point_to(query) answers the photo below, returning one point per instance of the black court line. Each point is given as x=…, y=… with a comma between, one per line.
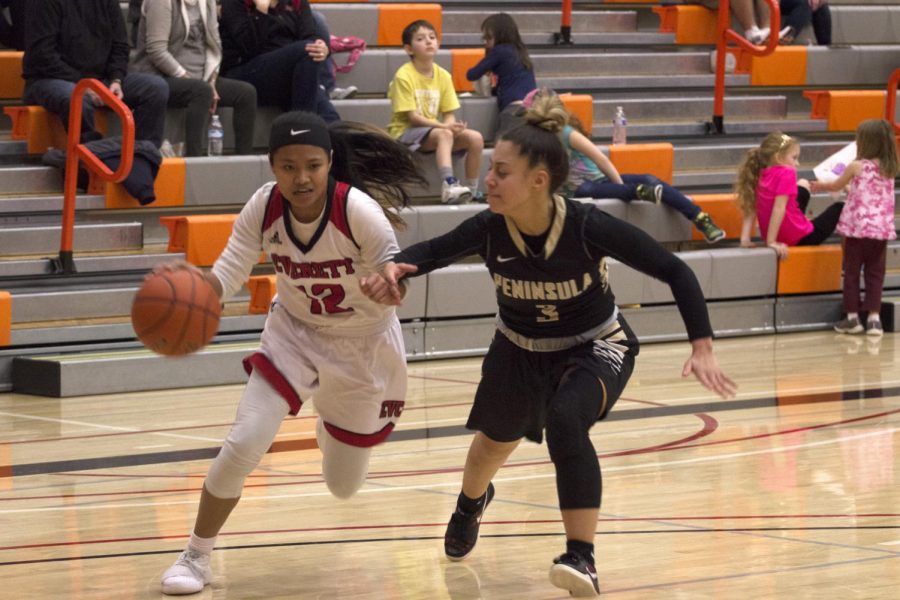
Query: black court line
x=131, y=460
x=421, y=538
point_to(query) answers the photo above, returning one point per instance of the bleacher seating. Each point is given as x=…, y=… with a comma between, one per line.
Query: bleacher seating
x=653, y=60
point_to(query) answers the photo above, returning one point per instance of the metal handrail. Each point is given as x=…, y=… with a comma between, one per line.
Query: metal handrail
x=725, y=34
x=890, y=105
x=76, y=151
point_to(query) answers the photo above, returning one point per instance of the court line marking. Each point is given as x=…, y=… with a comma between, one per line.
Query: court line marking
x=116, y=428
x=453, y=484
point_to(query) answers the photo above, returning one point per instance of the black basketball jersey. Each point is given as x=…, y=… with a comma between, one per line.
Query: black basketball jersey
x=562, y=290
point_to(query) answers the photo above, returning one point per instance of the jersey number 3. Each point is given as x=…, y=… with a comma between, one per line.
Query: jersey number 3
x=548, y=313
x=325, y=296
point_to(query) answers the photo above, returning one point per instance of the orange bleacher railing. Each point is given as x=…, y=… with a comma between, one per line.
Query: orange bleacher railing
x=724, y=35
x=890, y=106
x=564, y=36
x=76, y=151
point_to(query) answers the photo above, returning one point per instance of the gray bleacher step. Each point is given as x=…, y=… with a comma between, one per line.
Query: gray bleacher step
x=663, y=129
x=36, y=239
x=10, y=147
x=637, y=39
x=459, y=20
x=625, y=64
x=684, y=107
x=99, y=333
x=94, y=300
x=728, y=153
x=85, y=373
x=865, y=24
x=30, y=180
x=35, y=267
x=635, y=82
x=48, y=203
x=890, y=313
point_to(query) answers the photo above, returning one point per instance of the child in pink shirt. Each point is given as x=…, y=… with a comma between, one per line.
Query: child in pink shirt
x=767, y=188
x=867, y=222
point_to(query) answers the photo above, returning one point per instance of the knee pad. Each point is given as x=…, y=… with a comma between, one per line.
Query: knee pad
x=571, y=414
x=258, y=418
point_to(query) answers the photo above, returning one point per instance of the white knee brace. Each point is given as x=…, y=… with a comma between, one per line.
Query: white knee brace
x=259, y=415
x=344, y=467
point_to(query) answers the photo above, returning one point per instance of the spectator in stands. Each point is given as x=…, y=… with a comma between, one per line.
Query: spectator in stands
x=767, y=189
x=12, y=24
x=562, y=352
x=592, y=174
x=506, y=58
x=179, y=40
x=749, y=13
x=66, y=41
x=326, y=67
x=797, y=14
x=273, y=45
x=424, y=102
x=867, y=222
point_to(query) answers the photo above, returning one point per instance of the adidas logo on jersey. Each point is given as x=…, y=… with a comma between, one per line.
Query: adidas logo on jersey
x=275, y=239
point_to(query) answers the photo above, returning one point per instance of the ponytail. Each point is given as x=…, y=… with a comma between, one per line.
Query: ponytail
x=539, y=138
x=369, y=159
x=747, y=179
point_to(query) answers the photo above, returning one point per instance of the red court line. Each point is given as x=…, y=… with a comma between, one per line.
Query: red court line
x=709, y=426
x=517, y=522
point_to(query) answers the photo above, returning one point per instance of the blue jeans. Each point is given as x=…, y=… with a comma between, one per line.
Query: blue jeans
x=326, y=67
x=287, y=78
x=627, y=191
x=146, y=95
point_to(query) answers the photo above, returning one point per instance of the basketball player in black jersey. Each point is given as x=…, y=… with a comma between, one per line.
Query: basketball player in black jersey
x=562, y=353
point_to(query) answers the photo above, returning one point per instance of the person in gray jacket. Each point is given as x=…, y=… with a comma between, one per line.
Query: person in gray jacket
x=179, y=40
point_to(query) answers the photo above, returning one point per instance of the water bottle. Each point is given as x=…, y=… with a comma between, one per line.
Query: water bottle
x=216, y=137
x=620, y=125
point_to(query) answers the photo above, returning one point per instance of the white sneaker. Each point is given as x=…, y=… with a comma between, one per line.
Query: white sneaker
x=730, y=62
x=189, y=575
x=455, y=193
x=343, y=93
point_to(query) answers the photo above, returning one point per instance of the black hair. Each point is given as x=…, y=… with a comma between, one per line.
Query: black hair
x=503, y=30
x=539, y=140
x=410, y=30
x=368, y=158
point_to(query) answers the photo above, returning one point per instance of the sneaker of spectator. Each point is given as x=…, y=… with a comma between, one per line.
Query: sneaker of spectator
x=340, y=93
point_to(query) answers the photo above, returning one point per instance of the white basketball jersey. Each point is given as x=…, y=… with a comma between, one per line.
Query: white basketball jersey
x=317, y=282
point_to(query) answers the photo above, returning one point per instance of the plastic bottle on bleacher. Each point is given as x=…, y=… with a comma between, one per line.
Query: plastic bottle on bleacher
x=620, y=126
x=216, y=137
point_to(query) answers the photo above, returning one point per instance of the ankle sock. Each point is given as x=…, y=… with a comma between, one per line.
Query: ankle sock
x=851, y=316
x=582, y=549
x=472, y=184
x=202, y=545
x=446, y=173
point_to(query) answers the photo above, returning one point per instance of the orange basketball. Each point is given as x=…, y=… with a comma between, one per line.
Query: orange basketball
x=175, y=312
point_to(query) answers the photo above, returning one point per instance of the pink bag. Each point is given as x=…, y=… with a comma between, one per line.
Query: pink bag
x=348, y=43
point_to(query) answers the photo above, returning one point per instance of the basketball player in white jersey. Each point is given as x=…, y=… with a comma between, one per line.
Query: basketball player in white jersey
x=323, y=232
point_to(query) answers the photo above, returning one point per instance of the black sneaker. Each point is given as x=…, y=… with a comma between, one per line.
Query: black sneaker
x=573, y=573
x=462, y=530
x=711, y=232
x=650, y=193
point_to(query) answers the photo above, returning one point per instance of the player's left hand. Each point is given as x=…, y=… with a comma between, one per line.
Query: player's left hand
x=702, y=364
x=377, y=289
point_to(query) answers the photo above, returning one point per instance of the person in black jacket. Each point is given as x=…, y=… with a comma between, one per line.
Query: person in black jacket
x=69, y=40
x=12, y=29
x=273, y=45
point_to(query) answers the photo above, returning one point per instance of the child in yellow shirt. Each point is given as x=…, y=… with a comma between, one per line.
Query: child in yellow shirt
x=423, y=101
